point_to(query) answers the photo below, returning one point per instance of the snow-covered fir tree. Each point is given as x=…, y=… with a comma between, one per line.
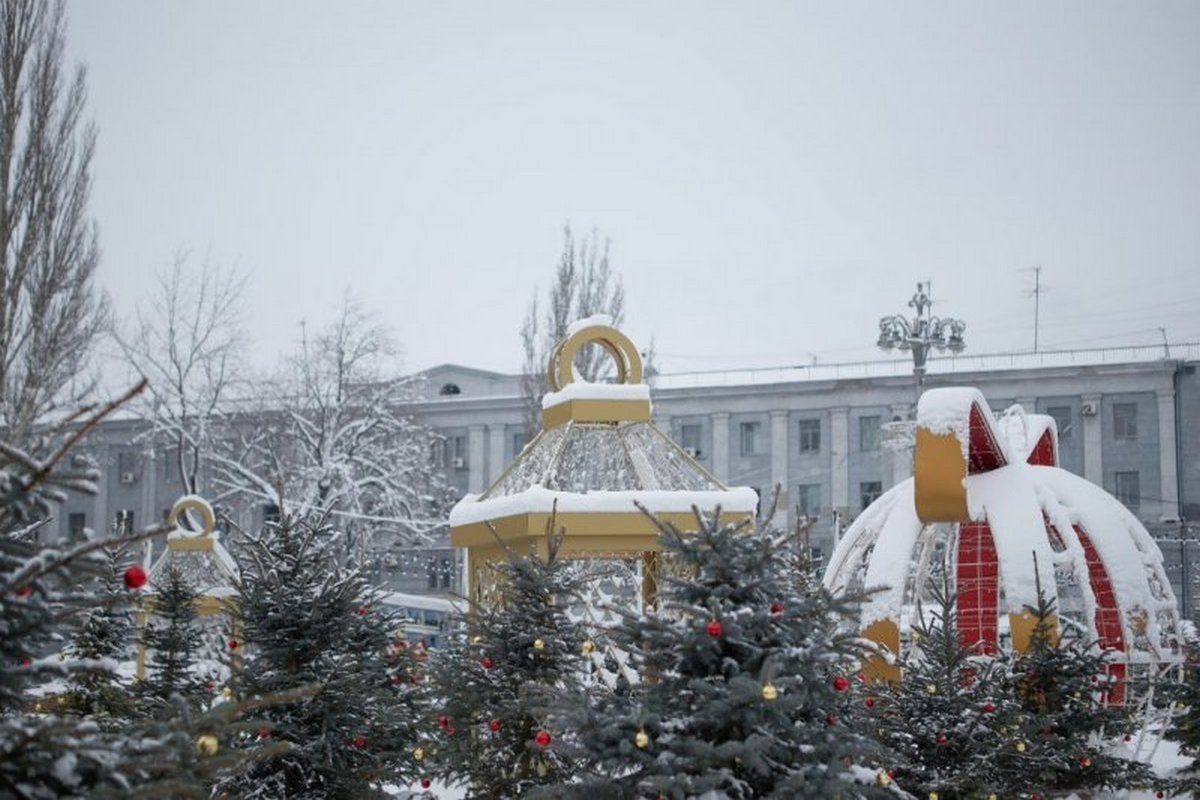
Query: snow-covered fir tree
x=1184, y=696
x=170, y=638
x=493, y=735
x=313, y=628
x=952, y=714
x=744, y=666
x=105, y=632
x=1068, y=717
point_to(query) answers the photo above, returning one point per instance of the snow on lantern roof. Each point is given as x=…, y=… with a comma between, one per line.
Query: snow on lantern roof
x=988, y=496
x=598, y=454
x=197, y=553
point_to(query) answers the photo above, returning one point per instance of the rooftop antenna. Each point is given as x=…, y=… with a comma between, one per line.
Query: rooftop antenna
x=1036, y=293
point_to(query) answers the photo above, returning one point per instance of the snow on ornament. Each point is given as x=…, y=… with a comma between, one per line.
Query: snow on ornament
x=988, y=502
x=598, y=460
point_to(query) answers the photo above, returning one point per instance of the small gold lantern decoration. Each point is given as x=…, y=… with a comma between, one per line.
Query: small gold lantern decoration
x=194, y=548
x=596, y=459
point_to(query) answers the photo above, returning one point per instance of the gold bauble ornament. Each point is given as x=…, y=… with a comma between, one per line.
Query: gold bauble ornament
x=931, y=688
x=642, y=740
x=476, y=639
x=933, y=796
x=227, y=692
x=882, y=778
x=1020, y=747
x=206, y=744
x=538, y=644
x=992, y=797
x=418, y=754
x=587, y=647
x=769, y=692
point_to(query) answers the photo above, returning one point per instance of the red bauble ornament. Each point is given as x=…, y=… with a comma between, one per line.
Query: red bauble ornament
x=425, y=783
x=443, y=721
x=1159, y=794
x=393, y=679
x=941, y=738
x=869, y=702
x=233, y=644
x=360, y=741
x=24, y=591
x=1128, y=738
x=831, y=718
x=135, y=577
x=1085, y=761
x=840, y=683
x=486, y=662
x=494, y=725
x=988, y=707
x=449, y=730
x=362, y=611
x=714, y=628
x=776, y=608
x=210, y=685
x=542, y=738
x=264, y=732
x=891, y=773
x=26, y=661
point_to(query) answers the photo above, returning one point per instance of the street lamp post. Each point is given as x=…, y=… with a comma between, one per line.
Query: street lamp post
x=921, y=334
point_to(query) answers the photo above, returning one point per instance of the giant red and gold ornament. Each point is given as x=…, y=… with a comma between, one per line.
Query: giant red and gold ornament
x=988, y=502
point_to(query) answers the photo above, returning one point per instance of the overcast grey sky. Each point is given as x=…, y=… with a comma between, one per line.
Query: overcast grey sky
x=774, y=176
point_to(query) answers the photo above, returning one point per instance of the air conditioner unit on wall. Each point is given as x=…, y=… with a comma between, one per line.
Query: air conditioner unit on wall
x=1089, y=409
x=128, y=477
x=460, y=463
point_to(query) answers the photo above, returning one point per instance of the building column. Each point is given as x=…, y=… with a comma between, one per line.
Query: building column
x=1093, y=464
x=902, y=458
x=839, y=453
x=475, y=459
x=779, y=466
x=495, y=452
x=720, y=446
x=1167, y=456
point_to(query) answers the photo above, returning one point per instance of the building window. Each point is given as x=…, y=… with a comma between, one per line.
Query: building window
x=868, y=433
x=519, y=440
x=449, y=389
x=749, y=432
x=810, y=436
x=1125, y=422
x=808, y=499
x=124, y=522
x=460, y=452
x=76, y=524
x=689, y=440
x=1128, y=486
x=869, y=492
x=437, y=452
x=126, y=466
x=441, y=571
x=1062, y=420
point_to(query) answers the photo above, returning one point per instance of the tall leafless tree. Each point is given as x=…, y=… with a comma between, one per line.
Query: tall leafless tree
x=187, y=340
x=50, y=311
x=584, y=285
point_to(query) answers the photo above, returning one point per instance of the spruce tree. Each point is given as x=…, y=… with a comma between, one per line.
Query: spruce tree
x=1067, y=716
x=105, y=633
x=170, y=639
x=313, y=628
x=1184, y=728
x=951, y=715
x=495, y=737
x=744, y=660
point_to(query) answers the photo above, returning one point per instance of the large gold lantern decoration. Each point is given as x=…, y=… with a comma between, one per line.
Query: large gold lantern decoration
x=194, y=549
x=597, y=457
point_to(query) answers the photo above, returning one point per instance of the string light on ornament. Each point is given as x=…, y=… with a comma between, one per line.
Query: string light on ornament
x=587, y=647
x=642, y=740
x=206, y=744
x=769, y=692
x=135, y=577
x=714, y=628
